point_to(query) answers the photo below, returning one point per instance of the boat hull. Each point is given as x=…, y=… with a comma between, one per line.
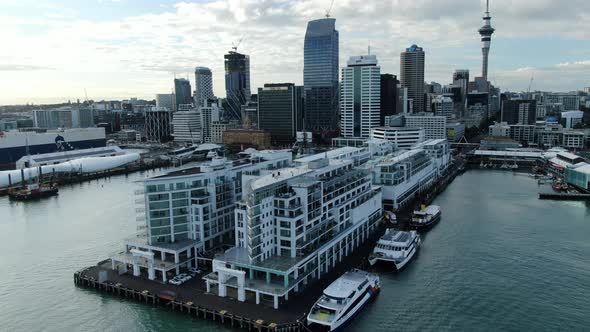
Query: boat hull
x=398, y=265
x=346, y=320
x=19, y=196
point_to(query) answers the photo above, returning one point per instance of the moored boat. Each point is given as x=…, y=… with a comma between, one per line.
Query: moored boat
x=426, y=217
x=33, y=191
x=343, y=300
x=396, y=246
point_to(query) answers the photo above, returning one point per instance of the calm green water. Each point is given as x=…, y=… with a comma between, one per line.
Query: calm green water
x=499, y=260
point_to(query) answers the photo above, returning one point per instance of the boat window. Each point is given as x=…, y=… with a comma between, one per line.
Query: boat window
x=362, y=284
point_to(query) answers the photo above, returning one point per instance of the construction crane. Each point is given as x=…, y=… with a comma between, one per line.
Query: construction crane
x=329, y=9
x=235, y=45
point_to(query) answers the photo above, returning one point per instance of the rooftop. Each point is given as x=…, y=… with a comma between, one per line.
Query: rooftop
x=181, y=172
x=278, y=176
x=343, y=286
x=395, y=158
x=335, y=153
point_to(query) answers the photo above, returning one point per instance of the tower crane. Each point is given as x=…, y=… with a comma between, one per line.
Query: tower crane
x=329, y=9
x=235, y=45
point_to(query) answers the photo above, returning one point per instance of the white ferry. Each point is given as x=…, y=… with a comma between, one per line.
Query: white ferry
x=396, y=246
x=343, y=300
x=425, y=218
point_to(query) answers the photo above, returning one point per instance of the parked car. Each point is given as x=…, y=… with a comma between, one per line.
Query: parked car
x=194, y=270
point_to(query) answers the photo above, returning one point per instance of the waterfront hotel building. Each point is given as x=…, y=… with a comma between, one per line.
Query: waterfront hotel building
x=403, y=175
x=189, y=212
x=293, y=226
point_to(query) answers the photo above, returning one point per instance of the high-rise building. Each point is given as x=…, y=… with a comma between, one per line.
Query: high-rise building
x=519, y=111
x=320, y=75
x=412, y=76
x=203, y=86
x=280, y=111
x=486, y=38
x=187, y=126
x=157, y=124
x=360, y=96
x=389, y=95
x=298, y=221
x=237, y=83
x=64, y=117
x=564, y=101
x=443, y=106
x=210, y=113
x=435, y=127
x=165, y=100
x=461, y=79
x=187, y=212
x=182, y=92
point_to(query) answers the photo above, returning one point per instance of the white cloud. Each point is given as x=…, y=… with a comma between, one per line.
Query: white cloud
x=138, y=55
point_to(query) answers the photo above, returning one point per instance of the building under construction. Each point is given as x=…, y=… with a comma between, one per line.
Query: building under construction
x=157, y=125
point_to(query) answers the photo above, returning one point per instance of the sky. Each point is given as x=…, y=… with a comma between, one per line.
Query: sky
x=52, y=51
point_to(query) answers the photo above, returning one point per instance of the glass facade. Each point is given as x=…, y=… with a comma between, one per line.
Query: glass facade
x=182, y=92
x=237, y=83
x=320, y=75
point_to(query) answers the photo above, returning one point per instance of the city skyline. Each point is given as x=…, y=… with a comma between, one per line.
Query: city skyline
x=56, y=49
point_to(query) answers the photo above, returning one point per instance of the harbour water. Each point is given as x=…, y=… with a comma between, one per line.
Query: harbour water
x=500, y=259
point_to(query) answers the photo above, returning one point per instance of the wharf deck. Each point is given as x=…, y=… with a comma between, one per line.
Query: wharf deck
x=191, y=297
x=565, y=196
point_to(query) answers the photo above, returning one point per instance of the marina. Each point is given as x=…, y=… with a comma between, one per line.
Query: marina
x=429, y=286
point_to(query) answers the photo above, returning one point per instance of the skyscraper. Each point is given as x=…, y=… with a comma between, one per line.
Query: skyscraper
x=412, y=76
x=320, y=75
x=280, y=111
x=486, y=38
x=389, y=95
x=237, y=83
x=203, y=85
x=182, y=92
x=360, y=96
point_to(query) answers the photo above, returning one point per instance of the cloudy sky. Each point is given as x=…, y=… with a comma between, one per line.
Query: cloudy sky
x=53, y=50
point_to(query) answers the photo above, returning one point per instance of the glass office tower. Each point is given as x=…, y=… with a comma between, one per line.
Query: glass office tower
x=320, y=75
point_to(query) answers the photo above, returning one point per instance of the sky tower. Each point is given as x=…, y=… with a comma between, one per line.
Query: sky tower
x=486, y=38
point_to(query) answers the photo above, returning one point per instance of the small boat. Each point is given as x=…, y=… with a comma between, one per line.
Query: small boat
x=343, y=300
x=425, y=218
x=559, y=185
x=34, y=191
x=396, y=246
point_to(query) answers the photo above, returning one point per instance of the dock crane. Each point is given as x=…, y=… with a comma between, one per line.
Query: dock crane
x=329, y=9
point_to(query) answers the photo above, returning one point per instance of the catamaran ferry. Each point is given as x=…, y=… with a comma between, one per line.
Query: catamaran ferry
x=343, y=300
x=396, y=246
x=425, y=218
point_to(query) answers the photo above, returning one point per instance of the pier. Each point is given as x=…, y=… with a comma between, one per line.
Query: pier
x=192, y=299
x=565, y=196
